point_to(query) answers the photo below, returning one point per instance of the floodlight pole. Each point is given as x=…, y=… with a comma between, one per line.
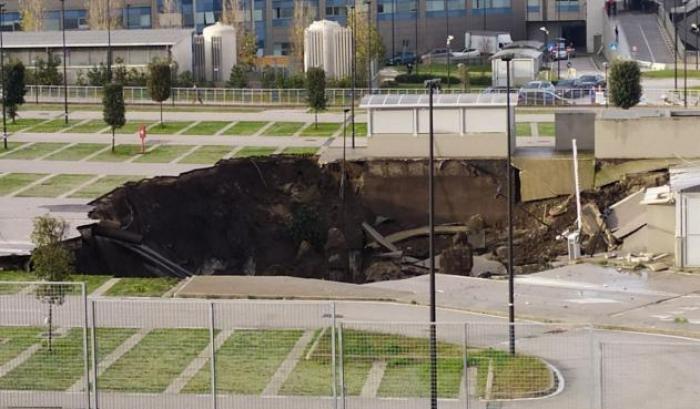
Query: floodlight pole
x=685, y=55
x=354, y=74
x=369, y=45
x=393, y=29
x=2, y=75
x=109, y=42
x=605, y=66
x=509, y=172
x=432, y=85
x=65, y=61
x=415, y=55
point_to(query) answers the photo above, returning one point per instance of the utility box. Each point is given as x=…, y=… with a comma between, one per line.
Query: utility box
x=570, y=125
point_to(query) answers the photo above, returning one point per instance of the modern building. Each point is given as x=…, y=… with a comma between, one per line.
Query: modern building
x=403, y=24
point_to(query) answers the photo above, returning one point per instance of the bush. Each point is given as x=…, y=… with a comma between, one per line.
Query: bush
x=421, y=78
x=237, y=78
x=624, y=84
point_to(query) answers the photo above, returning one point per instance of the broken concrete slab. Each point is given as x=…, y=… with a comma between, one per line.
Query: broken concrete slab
x=552, y=176
x=626, y=210
x=477, y=239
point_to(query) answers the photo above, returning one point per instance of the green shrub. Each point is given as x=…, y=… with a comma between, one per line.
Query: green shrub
x=421, y=78
x=624, y=84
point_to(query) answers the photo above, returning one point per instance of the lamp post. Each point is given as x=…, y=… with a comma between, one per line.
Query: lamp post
x=605, y=67
x=354, y=73
x=368, y=3
x=695, y=28
x=511, y=296
x=432, y=85
x=393, y=29
x=65, y=61
x=342, y=167
x=685, y=55
x=449, y=40
x=675, y=50
x=544, y=30
x=109, y=42
x=415, y=54
x=2, y=78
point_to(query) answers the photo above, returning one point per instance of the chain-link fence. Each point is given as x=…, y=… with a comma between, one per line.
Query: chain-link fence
x=60, y=349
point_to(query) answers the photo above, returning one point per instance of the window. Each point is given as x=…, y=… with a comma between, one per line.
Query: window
x=491, y=6
x=52, y=20
x=435, y=5
x=11, y=21
x=567, y=6
x=76, y=19
x=281, y=49
x=136, y=17
x=455, y=5
x=336, y=11
x=533, y=6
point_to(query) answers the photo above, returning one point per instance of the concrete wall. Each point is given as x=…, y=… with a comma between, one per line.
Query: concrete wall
x=661, y=228
x=647, y=137
x=493, y=145
x=579, y=125
x=446, y=120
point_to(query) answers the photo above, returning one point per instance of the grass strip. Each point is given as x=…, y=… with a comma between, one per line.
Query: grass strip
x=55, y=185
x=12, y=182
x=250, y=151
x=94, y=126
x=168, y=128
x=207, y=154
x=283, y=129
x=245, y=128
x=121, y=153
x=77, y=152
x=322, y=129
x=207, y=128
x=103, y=186
x=164, y=154
x=34, y=151
x=300, y=150
x=142, y=286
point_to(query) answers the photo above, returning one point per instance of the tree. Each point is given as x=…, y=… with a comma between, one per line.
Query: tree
x=302, y=17
x=624, y=84
x=14, y=87
x=98, y=18
x=32, y=14
x=51, y=261
x=169, y=14
x=46, y=72
x=248, y=50
x=98, y=75
x=237, y=79
x=316, y=91
x=376, y=44
x=159, y=83
x=113, y=107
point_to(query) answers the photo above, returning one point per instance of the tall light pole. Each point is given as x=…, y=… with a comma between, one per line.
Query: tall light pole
x=65, y=61
x=342, y=176
x=109, y=42
x=509, y=171
x=415, y=54
x=685, y=55
x=368, y=3
x=605, y=66
x=675, y=50
x=354, y=73
x=393, y=29
x=695, y=28
x=544, y=30
x=447, y=22
x=432, y=85
x=2, y=78
x=449, y=40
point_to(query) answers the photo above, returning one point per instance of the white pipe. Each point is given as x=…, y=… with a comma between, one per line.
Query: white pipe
x=576, y=183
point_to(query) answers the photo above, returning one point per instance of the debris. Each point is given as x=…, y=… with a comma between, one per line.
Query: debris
x=379, y=238
x=659, y=256
x=457, y=259
x=561, y=208
x=657, y=195
x=657, y=266
x=476, y=238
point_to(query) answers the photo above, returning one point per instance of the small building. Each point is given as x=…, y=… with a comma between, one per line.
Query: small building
x=524, y=66
x=685, y=186
x=86, y=49
x=465, y=125
x=220, y=52
x=327, y=45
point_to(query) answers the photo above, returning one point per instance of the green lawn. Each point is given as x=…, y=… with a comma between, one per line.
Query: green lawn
x=92, y=282
x=22, y=124
x=159, y=358
x=103, y=186
x=121, y=153
x=53, y=126
x=14, y=181
x=246, y=361
x=249, y=151
x=93, y=126
x=669, y=74
x=297, y=150
x=56, y=185
x=207, y=128
x=323, y=129
x=142, y=287
x=132, y=127
x=77, y=152
x=10, y=146
x=33, y=151
x=14, y=340
x=62, y=366
x=164, y=154
x=546, y=128
x=168, y=128
x=245, y=128
x=514, y=376
x=283, y=128
x=360, y=129
x=523, y=129
x=207, y=154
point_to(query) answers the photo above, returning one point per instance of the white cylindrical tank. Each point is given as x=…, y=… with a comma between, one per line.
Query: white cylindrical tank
x=219, y=51
x=328, y=45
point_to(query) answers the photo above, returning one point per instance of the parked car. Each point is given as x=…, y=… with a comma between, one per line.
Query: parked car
x=540, y=97
x=559, y=49
x=402, y=58
x=436, y=54
x=594, y=80
x=538, y=85
x=564, y=86
x=466, y=54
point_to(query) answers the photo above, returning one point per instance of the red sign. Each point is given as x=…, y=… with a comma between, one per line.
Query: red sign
x=142, y=132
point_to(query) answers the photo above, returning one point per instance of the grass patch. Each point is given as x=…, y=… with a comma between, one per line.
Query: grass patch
x=10, y=146
x=92, y=282
x=77, y=152
x=523, y=129
x=249, y=151
x=158, y=359
x=94, y=126
x=103, y=186
x=168, y=128
x=402, y=372
x=12, y=182
x=132, y=127
x=14, y=340
x=514, y=376
x=61, y=367
x=312, y=377
x=164, y=154
x=323, y=129
x=33, y=151
x=360, y=129
x=142, y=287
x=207, y=154
x=22, y=124
x=55, y=186
x=546, y=128
x=300, y=150
x=283, y=128
x=53, y=126
x=245, y=128
x=120, y=154
x=668, y=74
x=246, y=361
x=207, y=128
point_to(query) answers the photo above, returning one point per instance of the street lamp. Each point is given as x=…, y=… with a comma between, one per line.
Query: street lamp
x=605, y=67
x=393, y=29
x=415, y=54
x=432, y=86
x=696, y=30
x=511, y=296
x=368, y=3
x=2, y=78
x=449, y=40
x=685, y=56
x=354, y=73
x=109, y=42
x=342, y=176
x=65, y=61
x=544, y=30
x=675, y=49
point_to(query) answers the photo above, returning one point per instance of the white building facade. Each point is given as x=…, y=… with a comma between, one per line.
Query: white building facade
x=327, y=45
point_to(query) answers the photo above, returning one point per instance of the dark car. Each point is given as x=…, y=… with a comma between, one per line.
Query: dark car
x=563, y=86
x=594, y=80
x=402, y=58
x=540, y=97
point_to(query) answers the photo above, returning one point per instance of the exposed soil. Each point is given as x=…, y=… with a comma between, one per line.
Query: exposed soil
x=285, y=216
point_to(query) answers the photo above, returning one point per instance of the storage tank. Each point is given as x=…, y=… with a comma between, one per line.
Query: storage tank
x=219, y=51
x=328, y=45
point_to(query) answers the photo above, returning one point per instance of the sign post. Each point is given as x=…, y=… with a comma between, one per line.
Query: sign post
x=142, y=136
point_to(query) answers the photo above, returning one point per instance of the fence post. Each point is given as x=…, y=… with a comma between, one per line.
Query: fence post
x=212, y=361
x=342, y=363
x=466, y=363
x=333, y=363
x=86, y=366
x=600, y=380
x=94, y=354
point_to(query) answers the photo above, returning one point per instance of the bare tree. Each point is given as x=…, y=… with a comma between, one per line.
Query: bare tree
x=376, y=48
x=302, y=17
x=102, y=15
x=32, y=13
x=170, y=14
x=231, y=13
